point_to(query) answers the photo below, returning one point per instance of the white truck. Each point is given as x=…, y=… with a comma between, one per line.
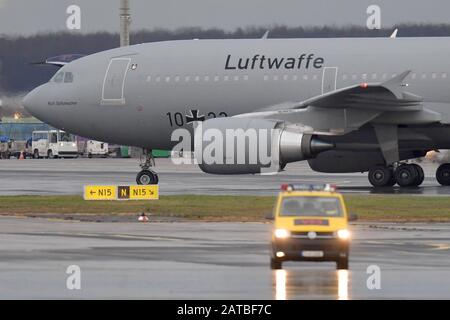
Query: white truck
x=96, y=149
x=53, y=144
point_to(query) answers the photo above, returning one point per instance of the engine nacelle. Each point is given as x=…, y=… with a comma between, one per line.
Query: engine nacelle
x=246, y=146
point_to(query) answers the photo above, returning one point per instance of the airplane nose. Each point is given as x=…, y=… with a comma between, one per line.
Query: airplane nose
x=32, y=103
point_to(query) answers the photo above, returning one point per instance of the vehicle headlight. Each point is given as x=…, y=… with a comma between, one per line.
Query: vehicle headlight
x=74, y=144
x=61, y=144
x=343, y=234
x=282, y=233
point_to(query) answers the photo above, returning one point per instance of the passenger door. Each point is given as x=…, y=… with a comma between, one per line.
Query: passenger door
x=329, y=79
x=114, y=81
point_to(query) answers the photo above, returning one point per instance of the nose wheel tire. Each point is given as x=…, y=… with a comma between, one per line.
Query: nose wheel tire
x=381, y=176
x=275, y=264
x=147, y=177
x=342, y=264
x=443, y=174
x=407, y=175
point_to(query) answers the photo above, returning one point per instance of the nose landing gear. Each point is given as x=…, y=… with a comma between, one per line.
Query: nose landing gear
x=147, y=176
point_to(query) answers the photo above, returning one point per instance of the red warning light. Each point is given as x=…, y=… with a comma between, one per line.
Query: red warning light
x=364, y=85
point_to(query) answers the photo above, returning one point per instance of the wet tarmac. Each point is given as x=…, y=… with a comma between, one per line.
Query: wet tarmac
x=68, y=176
x=195, y=260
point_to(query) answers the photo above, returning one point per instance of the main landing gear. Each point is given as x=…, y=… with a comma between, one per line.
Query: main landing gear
x=147, y=175
x=405, y=175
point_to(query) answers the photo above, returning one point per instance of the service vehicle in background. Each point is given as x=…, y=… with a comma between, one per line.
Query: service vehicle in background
x=54, y=144
x=310, y=224
x=96, y=149
x=10, y=148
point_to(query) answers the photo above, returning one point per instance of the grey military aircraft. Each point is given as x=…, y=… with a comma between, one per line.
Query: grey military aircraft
x=344, y=105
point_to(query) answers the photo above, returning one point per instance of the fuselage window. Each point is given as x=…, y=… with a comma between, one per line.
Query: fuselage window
x=266, y=77
x=294, y=77
x=177, y=78
x=433, y=75
x=68, y=78
x=206, y=78
x=149, y=78
x=424, y=75
x=315, y=77
x=305, y=77
x=364, y=76
x=384, y=76
x=414, y=76
x=158, y=79
x=216, y=78
x=374, y=76
x=354, y=77
x=285, y=77
x=245, y=77
x=167, y=79
x=275, y=78
x=226, y=78
x=344, y=77
x=187, y=78
x=444, y=76
x=197, y=78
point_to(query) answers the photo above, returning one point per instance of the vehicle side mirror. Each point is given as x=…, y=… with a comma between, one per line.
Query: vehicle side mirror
x=352, y=217
x=269, y=216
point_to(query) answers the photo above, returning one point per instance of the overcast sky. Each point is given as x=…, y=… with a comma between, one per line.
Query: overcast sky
x=31, y=16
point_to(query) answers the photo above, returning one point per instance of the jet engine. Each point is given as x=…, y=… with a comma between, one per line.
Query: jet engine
x=248, y=146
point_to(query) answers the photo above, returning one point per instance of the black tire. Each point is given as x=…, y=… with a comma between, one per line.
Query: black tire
x=406, y=175
x=421, y=175
x=443, y=174
x=342, y=264
x=50, y=154
x=275, y=264
x=147, y=177
x=90, y=155
x=381, y=176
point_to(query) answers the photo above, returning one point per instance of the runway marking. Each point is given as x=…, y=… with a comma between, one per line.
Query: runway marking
x=146, y=237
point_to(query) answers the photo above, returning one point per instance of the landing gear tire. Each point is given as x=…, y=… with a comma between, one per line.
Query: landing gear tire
x=36, y=154
x=50, y=154
x=275, y=264
x=147, y=177
x=407, y=175
x=443, y=174
x=342, y=264
x=381, y=176
x=421, y=175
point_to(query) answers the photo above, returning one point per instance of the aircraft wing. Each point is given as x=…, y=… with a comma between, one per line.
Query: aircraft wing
x=387, y=96
x=344, y=110
x=59, y=61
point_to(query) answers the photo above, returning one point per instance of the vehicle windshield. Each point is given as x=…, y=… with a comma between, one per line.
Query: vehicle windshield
x=66, y=137
x=311, y=206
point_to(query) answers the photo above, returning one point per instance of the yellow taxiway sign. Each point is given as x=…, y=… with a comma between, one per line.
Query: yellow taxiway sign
x=149, y=192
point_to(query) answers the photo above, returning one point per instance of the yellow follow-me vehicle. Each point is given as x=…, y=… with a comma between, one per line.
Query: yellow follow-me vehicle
x=310, y=224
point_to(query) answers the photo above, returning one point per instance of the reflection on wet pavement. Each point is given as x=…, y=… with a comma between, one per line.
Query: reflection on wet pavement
x=311, y=284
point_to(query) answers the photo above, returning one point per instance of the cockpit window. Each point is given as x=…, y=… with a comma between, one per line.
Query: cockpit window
x=59, y=77
x=68, y=78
